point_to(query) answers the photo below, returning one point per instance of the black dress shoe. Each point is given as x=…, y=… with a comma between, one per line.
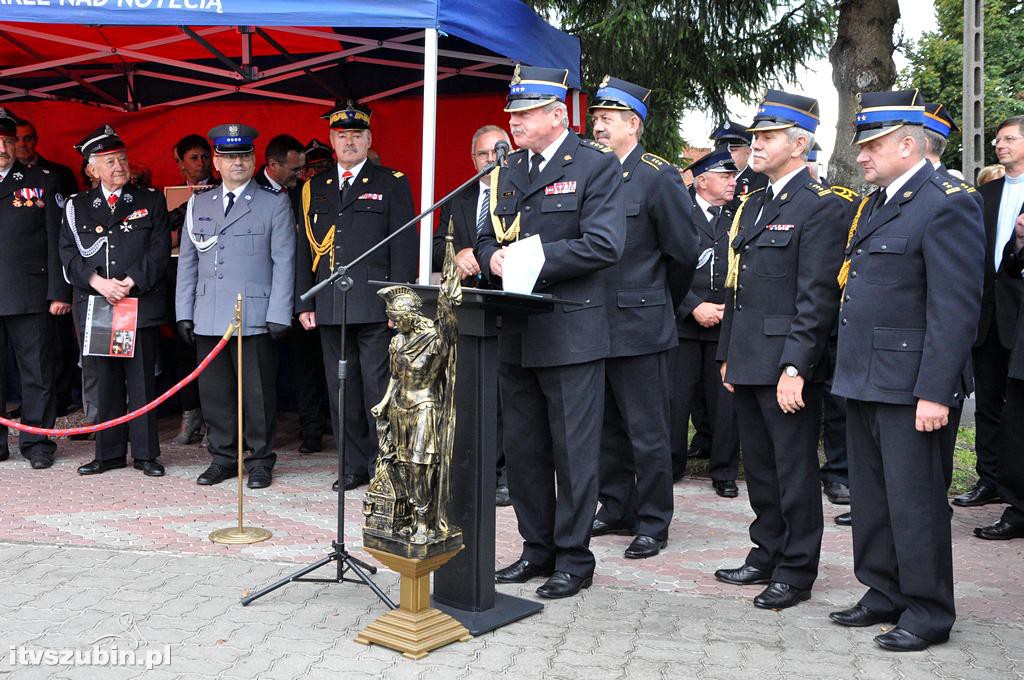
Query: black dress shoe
x=563, y=584
x=743, y=576
x=351, y=482
x=96, y=467
x=501, y=497
x=695, y=452
x=780, y=596
x=5, y=453
x=311, y=445
x=643, y=547
x=602, y=528
x=844, y=520
x=726, y=489
x=837, y=493
x=859, y=616
x=215, y=474
x=982, y=494
x=259, y=478
x=522, y=571
x=150, y=468
x=902, y=640
x=1000, y=531
x=82, y=437
x=40, y=462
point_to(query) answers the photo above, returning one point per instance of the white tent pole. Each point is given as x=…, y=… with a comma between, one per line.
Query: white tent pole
x=429, y=143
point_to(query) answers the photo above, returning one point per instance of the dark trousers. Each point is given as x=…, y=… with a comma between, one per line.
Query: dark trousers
x=696, y=378
x=836, y=467
x=65, y=359
x=366, y=350
x=991, y=364
x=780, y=459
x=552, y=440
x=218, y=390
x=305, y=359
x=29, y=337
x=636, y=459
x=124, y=385
x=1011, y=453
x=902, y=548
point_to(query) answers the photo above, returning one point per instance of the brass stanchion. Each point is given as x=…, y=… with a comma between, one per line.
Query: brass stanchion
x=241, y=534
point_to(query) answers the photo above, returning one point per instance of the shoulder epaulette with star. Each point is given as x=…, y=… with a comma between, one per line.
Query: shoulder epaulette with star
x=947, y=185
x=270, y=189
x=818, y=188
x=845, y=193
x=202, y=189
x=655, y=161
x=595, y=145
x=397, y=174
x=967, y=187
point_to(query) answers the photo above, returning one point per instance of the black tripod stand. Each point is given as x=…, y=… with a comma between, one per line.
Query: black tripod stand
x=341, y=279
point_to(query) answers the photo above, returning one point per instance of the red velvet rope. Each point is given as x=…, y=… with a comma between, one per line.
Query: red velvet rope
x=89, y=429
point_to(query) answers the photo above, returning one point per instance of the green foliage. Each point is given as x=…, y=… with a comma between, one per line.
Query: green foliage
x=693, y=54
x=936, y=66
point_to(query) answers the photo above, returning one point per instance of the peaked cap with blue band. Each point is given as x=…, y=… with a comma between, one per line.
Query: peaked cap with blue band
x=533, y=86
x=812, y=155
x=100, y=141
x=717, y=160
x=780, y=110
x=732, y=132
x=232, y=138
x=8, y=124
x=937, y=119
x=614, y=93
x=348, y=115
x=884, y=112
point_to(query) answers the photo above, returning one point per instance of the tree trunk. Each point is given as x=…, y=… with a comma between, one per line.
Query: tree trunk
x=861, y=62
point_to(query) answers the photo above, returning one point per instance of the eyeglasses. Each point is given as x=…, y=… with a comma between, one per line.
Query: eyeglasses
x=489, y=153
x=1011, y=139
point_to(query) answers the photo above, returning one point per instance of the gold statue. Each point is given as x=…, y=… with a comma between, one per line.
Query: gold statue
x=407, y=499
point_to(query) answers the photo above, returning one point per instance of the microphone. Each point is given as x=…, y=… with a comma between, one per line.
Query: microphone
x=501, y=150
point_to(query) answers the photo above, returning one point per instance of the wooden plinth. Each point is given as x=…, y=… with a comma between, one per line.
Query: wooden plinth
x=415, y=628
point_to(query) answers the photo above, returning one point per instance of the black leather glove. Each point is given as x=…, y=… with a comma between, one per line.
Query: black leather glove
x=278, y=331
x=186, y=331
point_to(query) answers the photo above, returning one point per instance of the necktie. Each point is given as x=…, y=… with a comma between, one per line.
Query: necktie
x=231, y=202
x=715, y=211
x=111, y=201
x=485, y=211
x=769, y=195
x=880, y=199
x=535, y=165
x=346, y=182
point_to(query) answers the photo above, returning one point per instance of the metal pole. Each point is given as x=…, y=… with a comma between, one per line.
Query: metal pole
x=429, y=144
x=973, y=124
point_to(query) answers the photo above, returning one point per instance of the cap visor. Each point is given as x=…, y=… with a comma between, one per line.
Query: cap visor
x=863, y=136
x=609, y=104
x=766, y=125
x=527, y=104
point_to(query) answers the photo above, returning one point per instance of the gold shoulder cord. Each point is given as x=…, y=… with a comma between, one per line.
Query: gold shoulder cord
x=733, y=275
x=844, y=271
x=503, y=235
x=316, y=248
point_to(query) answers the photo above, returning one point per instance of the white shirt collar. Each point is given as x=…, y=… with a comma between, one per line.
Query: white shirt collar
x=897, y=184
x=106, y=194
x=356, y=169
x=270, y=179
x=623, y=159
x=549, y=150
x=778, y=186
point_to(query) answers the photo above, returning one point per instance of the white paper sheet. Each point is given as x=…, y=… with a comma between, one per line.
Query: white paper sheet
x=521, y=268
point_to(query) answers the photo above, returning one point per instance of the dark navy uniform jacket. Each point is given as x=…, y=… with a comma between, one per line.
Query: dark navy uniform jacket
x=709, y=277
x=30, y=271
x=138, y=245
x=377, y=204
x=911, y=305
x=583, y=232
x=657, y=265
x=787, y=294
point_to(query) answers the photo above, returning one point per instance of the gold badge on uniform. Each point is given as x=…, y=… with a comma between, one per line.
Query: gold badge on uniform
x=908, y=194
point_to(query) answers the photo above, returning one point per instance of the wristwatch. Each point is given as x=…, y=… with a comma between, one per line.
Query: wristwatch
x=792, y=372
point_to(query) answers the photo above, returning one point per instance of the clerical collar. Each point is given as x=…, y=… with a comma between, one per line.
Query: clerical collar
x=1014, y=180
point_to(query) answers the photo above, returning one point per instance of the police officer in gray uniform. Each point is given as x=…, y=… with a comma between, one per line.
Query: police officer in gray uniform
x=238, y=239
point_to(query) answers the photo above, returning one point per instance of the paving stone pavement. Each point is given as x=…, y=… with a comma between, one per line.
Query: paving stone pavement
x=85, y=559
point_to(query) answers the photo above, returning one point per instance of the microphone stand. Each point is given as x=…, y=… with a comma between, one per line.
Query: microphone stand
x=340, y=278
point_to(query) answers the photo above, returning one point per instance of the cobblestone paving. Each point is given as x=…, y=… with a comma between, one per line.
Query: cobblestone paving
x=79, y=553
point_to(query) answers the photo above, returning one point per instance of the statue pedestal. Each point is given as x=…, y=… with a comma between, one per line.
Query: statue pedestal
x=415, y=628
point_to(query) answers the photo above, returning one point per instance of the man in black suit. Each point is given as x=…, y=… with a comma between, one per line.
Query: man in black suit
x=346, y=210
x=468, y=211
x=115, y=243
x=283, y=162
x=912, y=291
x=1000, y=305
x=778, y=314
x=698, y=321
x=34, y=290
x=748, y=180
x=645, y=287
x=567, y=192
x=1007, y=194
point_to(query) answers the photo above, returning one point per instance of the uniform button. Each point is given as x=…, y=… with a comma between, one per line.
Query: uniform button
x=847, y=298
x=843, y=322
x=221, y=276
x=860, y=250
x=643, y=301
x=903, y=345
x=526, y=208
x=739, y=307
x=526, y=234
x=740, y=287
x=587, y=301
x=743, y=267
x=113, y=262
x=222, y=246
x=558, y=205
x=853, y=274
x=112, y=246
x=248, y=231
x=884, y=246
x=746, y=248
x=773, y=240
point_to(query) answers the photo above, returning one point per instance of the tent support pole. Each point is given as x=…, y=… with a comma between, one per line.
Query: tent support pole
x=429, y=144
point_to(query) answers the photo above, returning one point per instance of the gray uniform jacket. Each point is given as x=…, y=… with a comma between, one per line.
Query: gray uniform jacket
x=251, y=251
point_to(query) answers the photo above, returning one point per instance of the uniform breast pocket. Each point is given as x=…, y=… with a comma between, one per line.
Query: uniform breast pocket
x=896, y=358
x=368, y=206
x=247, y=236
x=884, y=264
x=773, y=256
x=641, y=308
x=563, y=203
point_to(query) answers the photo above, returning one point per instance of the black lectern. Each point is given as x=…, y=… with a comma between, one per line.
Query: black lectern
x=464, y=588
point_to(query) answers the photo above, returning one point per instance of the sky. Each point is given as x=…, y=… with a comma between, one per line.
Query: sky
x=917, y=17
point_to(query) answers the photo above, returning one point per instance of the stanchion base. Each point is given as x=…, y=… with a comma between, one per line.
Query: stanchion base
x=240, y=535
